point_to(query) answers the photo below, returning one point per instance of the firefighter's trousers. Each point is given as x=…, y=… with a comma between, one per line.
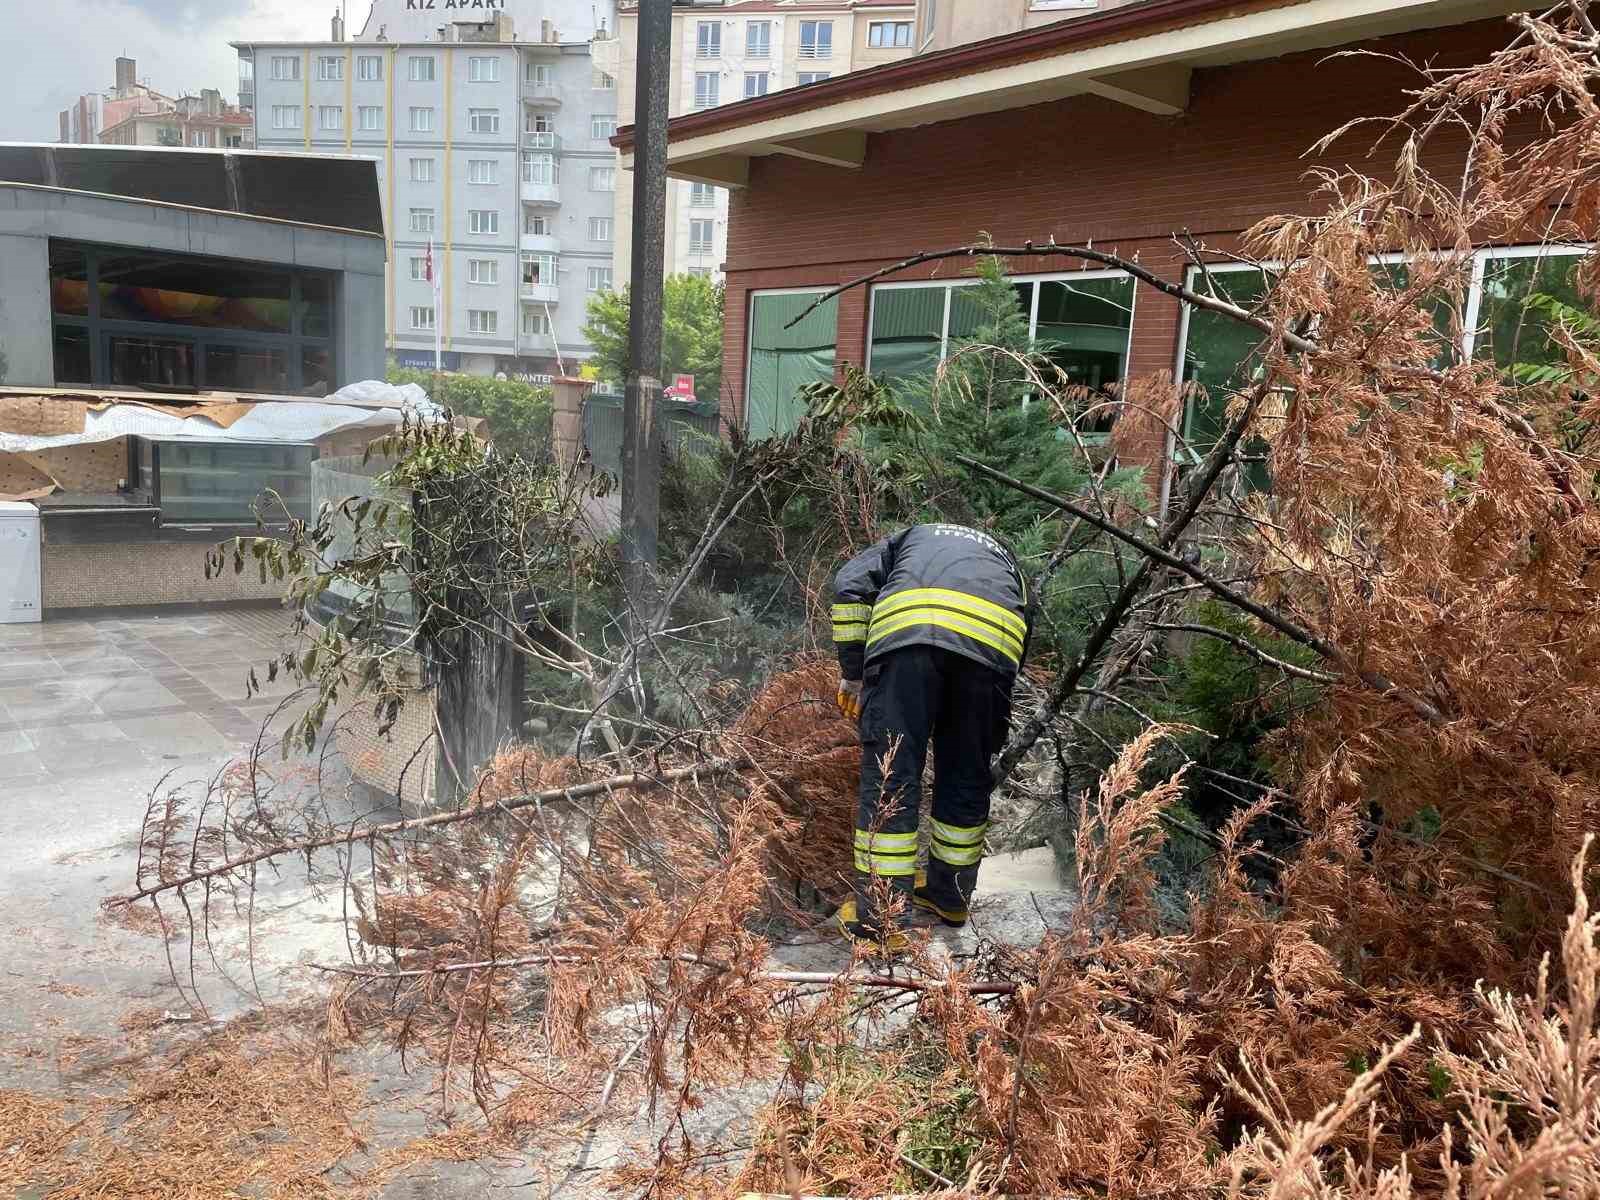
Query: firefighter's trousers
x=914, y=698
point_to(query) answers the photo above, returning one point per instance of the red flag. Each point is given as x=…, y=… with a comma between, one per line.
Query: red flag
x=428, y=272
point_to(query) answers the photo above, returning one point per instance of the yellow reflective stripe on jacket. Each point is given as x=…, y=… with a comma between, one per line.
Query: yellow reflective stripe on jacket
x=888, y=843
x=878, y=864
x=963, y=602
x=1004, y=643
x=960, y=835
x=855, y=631
x=851, y=612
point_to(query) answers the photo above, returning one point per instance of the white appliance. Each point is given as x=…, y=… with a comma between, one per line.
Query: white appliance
x=21, y=593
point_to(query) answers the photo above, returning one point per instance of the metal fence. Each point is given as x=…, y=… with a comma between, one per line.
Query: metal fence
x=681, y=425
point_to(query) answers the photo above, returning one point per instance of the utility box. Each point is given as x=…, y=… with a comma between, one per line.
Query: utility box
x=21, y=576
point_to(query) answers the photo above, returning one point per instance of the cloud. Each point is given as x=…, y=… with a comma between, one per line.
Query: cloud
x=181, y=46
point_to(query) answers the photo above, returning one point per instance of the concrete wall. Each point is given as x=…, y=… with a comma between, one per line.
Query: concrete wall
x=30, y=217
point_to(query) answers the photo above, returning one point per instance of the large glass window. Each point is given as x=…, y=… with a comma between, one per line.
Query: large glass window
x=1519, y=300
x=1219, y=353
x=783, y=360
x=132, y=319
x=220, y=481
x=1081, y=322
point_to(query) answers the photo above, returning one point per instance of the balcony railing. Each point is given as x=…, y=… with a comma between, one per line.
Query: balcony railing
x=540, y=93
x=815, y=52
x=541, y=193
x=541, y=293
x=541, y=243
x=541, y=140
x=538, y=343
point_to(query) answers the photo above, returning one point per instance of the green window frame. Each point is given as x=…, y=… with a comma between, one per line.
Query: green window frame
x=782, y=360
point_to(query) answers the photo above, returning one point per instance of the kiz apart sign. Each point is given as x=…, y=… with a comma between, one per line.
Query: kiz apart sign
x=435, y=5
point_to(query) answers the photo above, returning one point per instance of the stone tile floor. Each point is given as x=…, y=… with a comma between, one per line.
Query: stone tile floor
x=80, y=693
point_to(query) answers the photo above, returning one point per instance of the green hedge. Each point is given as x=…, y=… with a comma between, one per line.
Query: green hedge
x=517, y=414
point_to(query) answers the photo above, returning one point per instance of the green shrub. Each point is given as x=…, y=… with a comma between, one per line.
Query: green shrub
x=517, y=414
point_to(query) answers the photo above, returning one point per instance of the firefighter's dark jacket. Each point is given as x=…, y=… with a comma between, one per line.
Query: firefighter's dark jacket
x=932, y=585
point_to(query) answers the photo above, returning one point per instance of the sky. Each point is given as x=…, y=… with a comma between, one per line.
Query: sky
x=181, y=46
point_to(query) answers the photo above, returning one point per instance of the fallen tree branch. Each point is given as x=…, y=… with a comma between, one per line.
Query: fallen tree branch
x=633, y=781
x=1248, y=647
x=1273, y=620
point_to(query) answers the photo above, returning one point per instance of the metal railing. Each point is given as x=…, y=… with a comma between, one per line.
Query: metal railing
x=682, y=426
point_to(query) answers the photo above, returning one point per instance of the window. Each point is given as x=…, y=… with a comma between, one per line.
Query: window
x=758, y=39
x=482, y=320
x=370, y=118
x=535, y=224
x=540, y=168
x=784, y=359
x=805, y=77
x=702, y=236
x=540, y=75
x=708, y=39
x=483, y=270
x=483, y=70
x=422, y=317
x=885, y=34
x=422, y=120
x=170, y=320
x=233, y=139
x=286, y=67
x=599, y=229
x=483, y=171
x=756, y=83
x=419, y=268
x=330, y=67
x=602, y=127
x=369, y=68
x=816, y=39
x=483, y=221
x=422, y=170
x=535, y=323
x=707, y=85
x=702, y=195
x=539, y=270
x=420, y=68
x=286, y=116
x=199, y=138
x=603, y=82
x=599, y=279
x=422, y=220
x=330, y=117
x=602, y=179
x=484, y=120
x=221, y=482
x=1080, y=322
x=930, y=20
x=1504, y=326
x=538, y=123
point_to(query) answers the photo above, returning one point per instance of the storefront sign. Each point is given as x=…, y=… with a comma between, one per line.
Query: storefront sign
x=419, y=20
x=422, y=360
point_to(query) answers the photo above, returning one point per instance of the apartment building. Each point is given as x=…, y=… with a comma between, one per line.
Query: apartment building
x=131, y=113
x=942, y=24
x=492, y=143
x=726, y=51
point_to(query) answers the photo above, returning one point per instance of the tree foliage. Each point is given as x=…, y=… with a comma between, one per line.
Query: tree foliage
x=691, y=335
x=517, y=414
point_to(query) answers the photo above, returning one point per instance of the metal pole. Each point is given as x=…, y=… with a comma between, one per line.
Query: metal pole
x=641, y=445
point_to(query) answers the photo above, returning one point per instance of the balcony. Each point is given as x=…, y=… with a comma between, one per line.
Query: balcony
x=540, y=293
x=536, y=343
x=541, y=141
x=542, y=94
x=540, y=243
x=548, y=194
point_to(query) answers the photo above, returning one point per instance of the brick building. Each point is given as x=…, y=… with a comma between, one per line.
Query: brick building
x=1118, y=128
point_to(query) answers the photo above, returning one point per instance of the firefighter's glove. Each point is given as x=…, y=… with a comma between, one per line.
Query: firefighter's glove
x=849, y=699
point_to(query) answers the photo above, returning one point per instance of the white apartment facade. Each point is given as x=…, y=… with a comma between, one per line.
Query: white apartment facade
x=725, y=51
x=492, y=151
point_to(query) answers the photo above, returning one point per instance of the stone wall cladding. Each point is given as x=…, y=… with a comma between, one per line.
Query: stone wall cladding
x=111, y=574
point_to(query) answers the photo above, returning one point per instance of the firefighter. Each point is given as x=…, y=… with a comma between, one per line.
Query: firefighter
x=932, y=628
